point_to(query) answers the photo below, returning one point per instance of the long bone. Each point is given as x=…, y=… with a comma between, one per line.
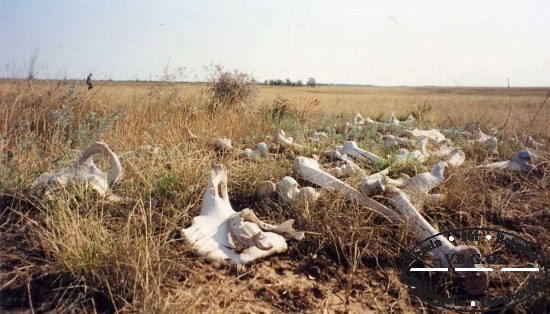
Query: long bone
x=309, y=170
x=522, y=161
x=83, y=171
x=350, y=148
x=476, y=282
x=220, y=233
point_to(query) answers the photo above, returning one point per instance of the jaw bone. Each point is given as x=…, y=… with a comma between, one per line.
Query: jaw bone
x=475, y=283
x=220, y=233
x=309, y=170
x=84, y=171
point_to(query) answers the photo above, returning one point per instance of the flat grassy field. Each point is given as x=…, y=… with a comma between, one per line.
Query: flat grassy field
x=78, y=252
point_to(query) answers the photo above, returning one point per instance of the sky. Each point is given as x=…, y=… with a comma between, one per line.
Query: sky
x=387, y=43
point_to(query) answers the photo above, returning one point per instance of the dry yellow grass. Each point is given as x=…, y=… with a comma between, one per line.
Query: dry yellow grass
x=78, y=253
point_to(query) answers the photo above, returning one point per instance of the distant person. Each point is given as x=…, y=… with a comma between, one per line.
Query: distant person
x=89, y=82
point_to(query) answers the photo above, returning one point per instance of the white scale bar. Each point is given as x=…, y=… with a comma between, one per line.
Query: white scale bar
x=473, y=269
x=520, y=269
x=429, y=269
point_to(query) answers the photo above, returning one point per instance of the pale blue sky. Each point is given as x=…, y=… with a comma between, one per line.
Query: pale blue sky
x=464, y=43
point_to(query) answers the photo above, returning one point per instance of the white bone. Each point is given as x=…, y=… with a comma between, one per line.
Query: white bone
x=189, y=134
x=260, y=151
x=346, y=168
x=522, y=160
x=374, y=184
x=456, y=157
x=266, y=189
x=317, y=136
x=223, y=144
x=476, y=283
x=84, y=172
x=531, y=143
x=286, y=141
x=391, y=140
x=289, y=191
x=403, y=155
x=472, y=131
x=309, y=170
x=358, y=119
x=432, y=134
x=410, y=120
x=424, y=182
x=351, y=149
x=219, y=233
x=336, y=153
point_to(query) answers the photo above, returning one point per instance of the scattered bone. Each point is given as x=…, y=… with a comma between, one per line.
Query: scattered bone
x=260, y=151
x=475, y=283
x=472, y=131
x=424, y=182
x=432, y=134
x=223, y=144
x=351, y=149
x=346, y=167
x=358, y=119
x=317, y=136
x=289, y=191
x=83, y=172
x=219, y=233
x=404, y=155
x=266, y=190
x=309, y=170
x=523, y=160
x=456, y=157
x=286, y=141
x=374, y=184
x=148, y=150
x=335, y=154
x=409, y=121
x=531, y=143
x=391, y=140
x=189, y=134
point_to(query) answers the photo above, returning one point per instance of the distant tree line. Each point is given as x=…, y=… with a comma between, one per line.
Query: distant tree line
x=287, y=82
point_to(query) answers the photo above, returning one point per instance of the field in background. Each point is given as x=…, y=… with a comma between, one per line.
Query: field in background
x=79, y=253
